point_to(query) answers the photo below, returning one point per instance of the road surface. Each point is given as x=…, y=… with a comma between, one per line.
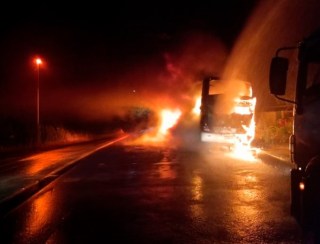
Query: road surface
x=131, y=192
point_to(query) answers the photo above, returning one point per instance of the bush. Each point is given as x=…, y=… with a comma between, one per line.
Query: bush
x=59, y=135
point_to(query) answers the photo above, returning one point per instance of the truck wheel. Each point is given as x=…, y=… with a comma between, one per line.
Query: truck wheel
x=311, y=197
x=296, y=195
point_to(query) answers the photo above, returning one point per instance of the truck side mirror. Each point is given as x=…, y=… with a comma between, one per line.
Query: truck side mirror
x=278, y=75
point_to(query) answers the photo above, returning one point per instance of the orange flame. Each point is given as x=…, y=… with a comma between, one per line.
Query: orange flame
x=242, y=144
x=196, y=109
x=242, y=148
x=168, y=119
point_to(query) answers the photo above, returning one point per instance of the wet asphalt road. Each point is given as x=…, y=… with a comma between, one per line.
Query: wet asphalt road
x=134, y=193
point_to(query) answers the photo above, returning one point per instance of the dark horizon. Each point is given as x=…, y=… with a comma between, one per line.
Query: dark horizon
x=95, y=49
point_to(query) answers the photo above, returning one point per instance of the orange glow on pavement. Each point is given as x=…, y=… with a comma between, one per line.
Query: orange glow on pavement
x=42, y=161
x=41, y=213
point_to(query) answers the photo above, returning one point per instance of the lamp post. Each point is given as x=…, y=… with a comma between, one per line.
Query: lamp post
x=38, y=62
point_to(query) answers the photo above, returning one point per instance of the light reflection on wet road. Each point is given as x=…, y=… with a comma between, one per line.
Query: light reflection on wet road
x=144, y=194
x=17, y=173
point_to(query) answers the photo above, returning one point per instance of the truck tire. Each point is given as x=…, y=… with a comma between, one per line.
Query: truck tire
x=296, y=195
x=311, y=198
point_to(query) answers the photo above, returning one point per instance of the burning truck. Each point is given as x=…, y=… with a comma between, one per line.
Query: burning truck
x=226, y=119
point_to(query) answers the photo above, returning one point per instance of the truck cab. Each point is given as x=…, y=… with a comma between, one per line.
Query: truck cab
x=305, y=139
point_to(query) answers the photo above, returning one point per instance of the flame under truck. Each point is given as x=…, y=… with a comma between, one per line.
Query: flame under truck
x=304, y=143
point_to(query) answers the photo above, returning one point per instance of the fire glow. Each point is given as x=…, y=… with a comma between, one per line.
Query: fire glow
x=248, y=109
x=196, y=109
x=244, y=106
x=241, y=147
x=168, y=118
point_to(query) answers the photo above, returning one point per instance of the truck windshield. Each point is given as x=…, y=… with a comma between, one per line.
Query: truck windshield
x=218, y=121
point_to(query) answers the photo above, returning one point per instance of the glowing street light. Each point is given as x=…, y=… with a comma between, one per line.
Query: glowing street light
x=38, y=61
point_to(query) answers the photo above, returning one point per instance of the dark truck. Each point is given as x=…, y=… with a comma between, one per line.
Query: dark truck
x=304, y=143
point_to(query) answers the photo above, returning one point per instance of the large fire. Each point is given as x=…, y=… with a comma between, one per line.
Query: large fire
x=242, y=148
x=168, y=118
x=242, y=144
x=232, y=129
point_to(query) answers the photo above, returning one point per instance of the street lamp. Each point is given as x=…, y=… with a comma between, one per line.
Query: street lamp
x=38, y=61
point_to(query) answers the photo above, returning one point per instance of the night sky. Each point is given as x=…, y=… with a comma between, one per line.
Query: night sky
x=89, y=47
